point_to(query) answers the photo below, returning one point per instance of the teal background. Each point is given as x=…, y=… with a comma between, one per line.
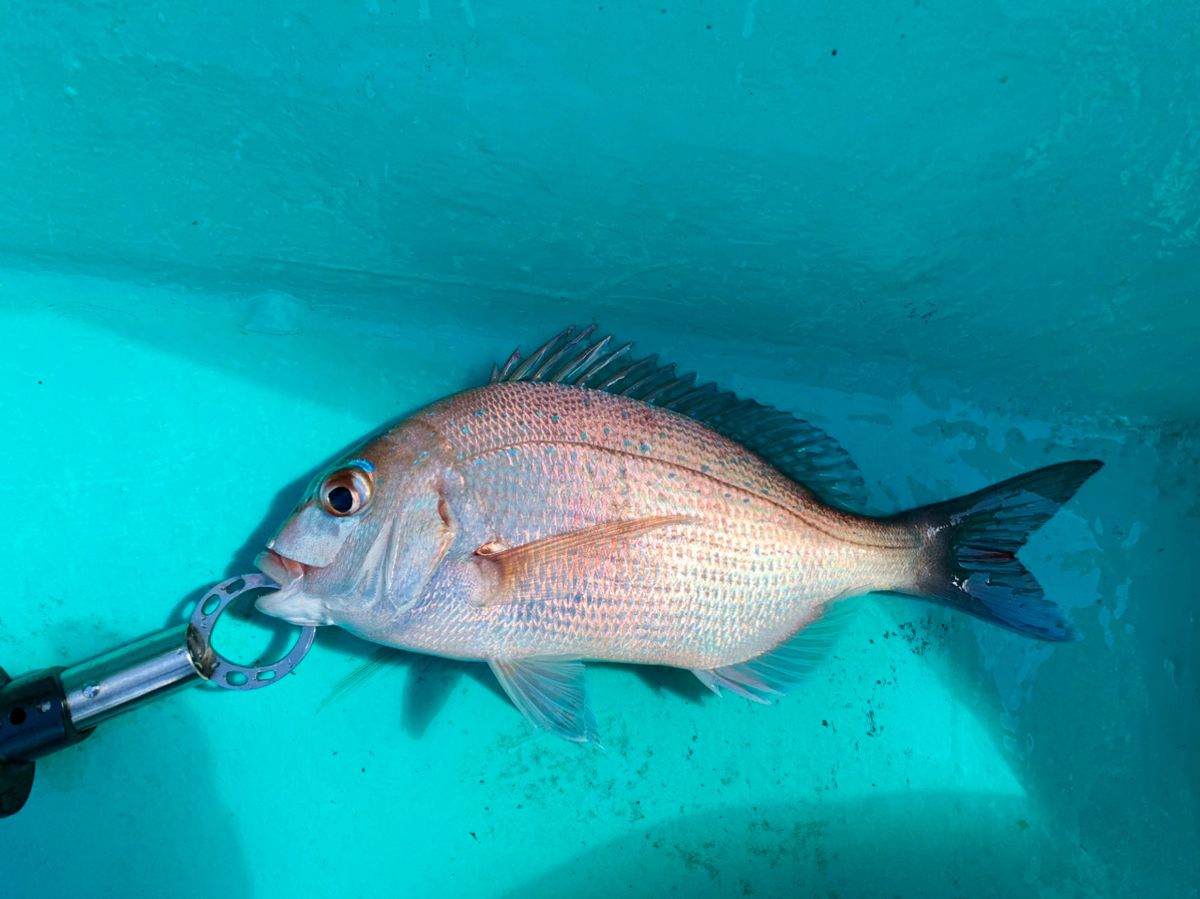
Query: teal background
x=234, y=238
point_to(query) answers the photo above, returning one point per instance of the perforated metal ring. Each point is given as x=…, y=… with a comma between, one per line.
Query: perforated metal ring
x=220, y=670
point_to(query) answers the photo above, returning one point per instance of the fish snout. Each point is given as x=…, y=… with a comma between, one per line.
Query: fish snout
x=290, y=602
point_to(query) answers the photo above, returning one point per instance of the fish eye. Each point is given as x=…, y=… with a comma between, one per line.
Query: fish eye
x=345, y=492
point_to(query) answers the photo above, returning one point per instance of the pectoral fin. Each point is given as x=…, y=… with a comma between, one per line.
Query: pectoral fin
x=550, y=693
x=538, y=561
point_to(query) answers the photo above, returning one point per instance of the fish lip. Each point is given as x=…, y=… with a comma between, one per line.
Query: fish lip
x=284, y=571
x=289, y=603
x=293, y=607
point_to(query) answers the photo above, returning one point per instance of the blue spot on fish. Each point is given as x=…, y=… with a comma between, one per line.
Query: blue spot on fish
x=479, y=413
x=644, y=447
x=583, y=435
x=466, y=430
x=554, y=418
x=421, y=457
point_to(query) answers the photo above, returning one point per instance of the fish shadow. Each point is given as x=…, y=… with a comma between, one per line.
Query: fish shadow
x=676, y=682
x=429, y=680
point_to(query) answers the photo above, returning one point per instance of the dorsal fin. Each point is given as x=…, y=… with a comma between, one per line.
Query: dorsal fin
x=800, y=450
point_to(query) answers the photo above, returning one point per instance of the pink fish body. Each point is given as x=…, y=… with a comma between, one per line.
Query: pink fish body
x=583, y=506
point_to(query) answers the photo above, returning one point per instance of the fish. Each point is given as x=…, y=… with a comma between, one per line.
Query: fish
x=588, y=506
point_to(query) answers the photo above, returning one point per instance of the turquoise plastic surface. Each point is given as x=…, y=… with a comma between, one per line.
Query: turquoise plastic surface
x=233, y=241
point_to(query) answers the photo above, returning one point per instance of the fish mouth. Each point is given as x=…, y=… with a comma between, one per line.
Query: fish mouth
x=284, y=571
x=289, y=603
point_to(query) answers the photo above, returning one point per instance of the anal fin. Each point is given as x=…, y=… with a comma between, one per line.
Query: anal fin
x=774, y=673
x=550, y=692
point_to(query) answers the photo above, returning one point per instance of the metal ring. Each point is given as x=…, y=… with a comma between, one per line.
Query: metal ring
x=231, y=675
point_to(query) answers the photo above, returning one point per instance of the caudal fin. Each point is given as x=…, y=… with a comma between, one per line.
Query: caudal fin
x=969, y=560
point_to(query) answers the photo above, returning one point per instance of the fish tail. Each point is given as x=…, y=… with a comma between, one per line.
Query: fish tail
x=969, y=558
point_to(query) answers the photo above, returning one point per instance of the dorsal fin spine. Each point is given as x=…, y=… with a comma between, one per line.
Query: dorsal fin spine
x=595, y=370
x=641, y=384
x=548, y=366
x=567, y=375
x=662, y=395
x=506, y=370
x=619, y=376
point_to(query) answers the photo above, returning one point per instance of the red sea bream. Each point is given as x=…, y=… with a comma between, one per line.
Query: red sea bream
x=586, y=506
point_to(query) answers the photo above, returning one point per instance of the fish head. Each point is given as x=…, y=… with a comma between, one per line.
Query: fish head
x=365, y=538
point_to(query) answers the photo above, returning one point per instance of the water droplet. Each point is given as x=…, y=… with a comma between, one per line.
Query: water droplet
x=91, y=689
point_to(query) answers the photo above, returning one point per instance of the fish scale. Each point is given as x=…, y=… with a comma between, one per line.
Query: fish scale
x=750, y=569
